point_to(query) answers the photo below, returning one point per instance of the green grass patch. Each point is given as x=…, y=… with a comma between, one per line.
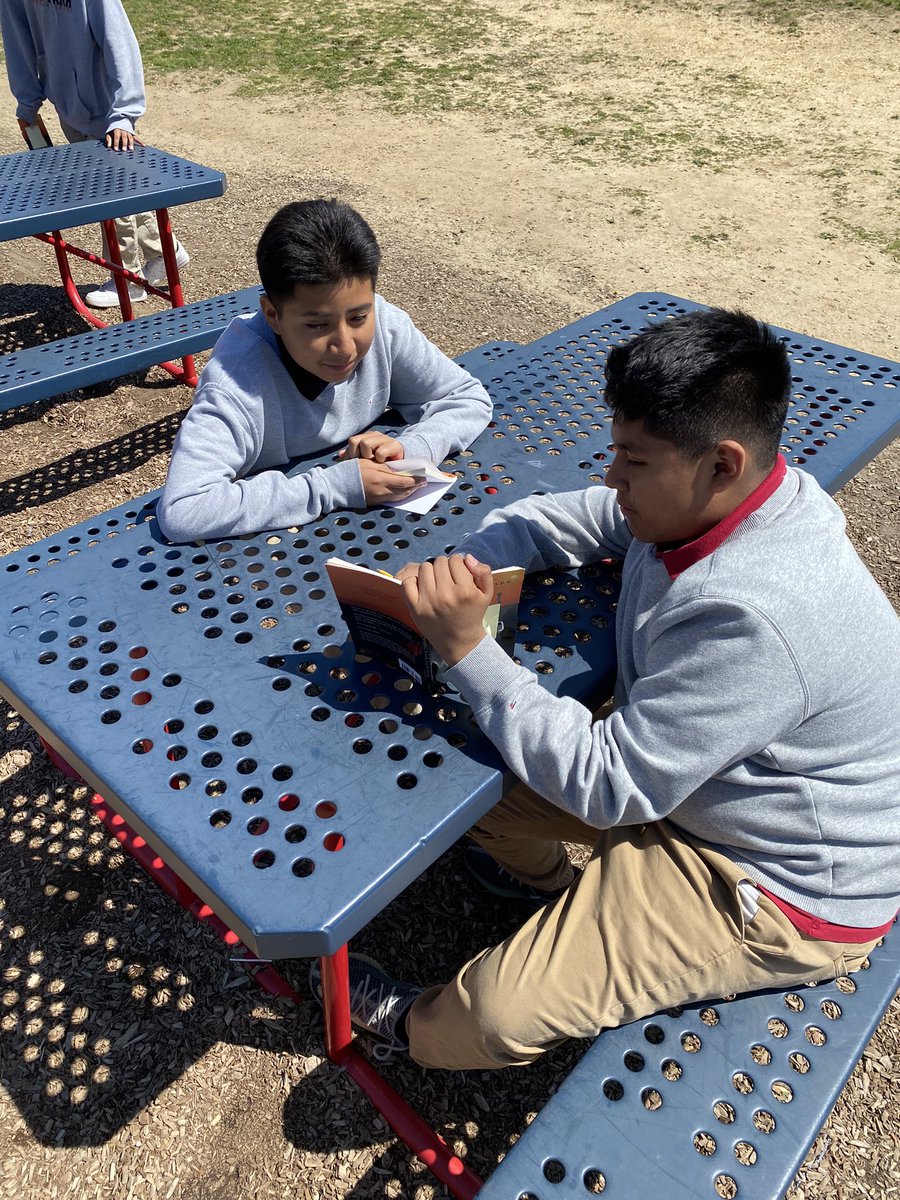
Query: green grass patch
x=415, y=53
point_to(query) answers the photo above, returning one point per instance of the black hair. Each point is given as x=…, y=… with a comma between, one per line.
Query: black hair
x=702, y=377
x=315, y=241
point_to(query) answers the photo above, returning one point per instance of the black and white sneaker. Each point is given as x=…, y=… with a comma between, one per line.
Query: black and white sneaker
x=378, y=1003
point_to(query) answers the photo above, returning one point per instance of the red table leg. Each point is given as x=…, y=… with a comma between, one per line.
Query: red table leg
x=416, y=1133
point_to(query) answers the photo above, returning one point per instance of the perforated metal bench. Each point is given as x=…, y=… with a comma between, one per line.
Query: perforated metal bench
x=709, y=1102
x=101, y=354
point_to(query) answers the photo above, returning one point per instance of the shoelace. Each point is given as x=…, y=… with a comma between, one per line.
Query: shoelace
x=377, y=1005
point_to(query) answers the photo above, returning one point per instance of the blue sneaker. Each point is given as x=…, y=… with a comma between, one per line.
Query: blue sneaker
x=378, y=1003
x=498, y=881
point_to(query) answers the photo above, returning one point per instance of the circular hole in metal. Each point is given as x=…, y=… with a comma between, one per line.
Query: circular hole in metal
x=257, y=826
x=137, y=652
x=110, y=716
x=764, y=1121
x=407, y=781
x=288, y=802
x=612, y=1089
x=326, y=809
x=594, y=1181
x=554, y=1171
x=726, y=1187
x=141, y=698
x=704, y=1143
x=303, y=867
x=333, y=841
x=263, y=859
x=634, y=1061
x=724, y=1112
x=220, y=818
x=742, y=1082
x=252, y=795
x=142, y=746
x=691, y=1043
x=362, y=746
x=179, y=782
x=295, y=833
x=397, y=753
x=671, y=1070
x=654, y=1034
x=282, y=773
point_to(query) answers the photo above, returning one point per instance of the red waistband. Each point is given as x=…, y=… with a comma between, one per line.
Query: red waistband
x=824, y=931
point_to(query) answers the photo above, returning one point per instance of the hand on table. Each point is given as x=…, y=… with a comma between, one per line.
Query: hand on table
x=378, y=447
x=448, y=599
x=120, y=139
x=384, y=486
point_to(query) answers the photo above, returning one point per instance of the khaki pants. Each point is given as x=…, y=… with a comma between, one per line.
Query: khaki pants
x=137, y=235
x=654, y=920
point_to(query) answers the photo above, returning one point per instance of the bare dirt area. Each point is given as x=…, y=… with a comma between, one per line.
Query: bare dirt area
x=715, y=159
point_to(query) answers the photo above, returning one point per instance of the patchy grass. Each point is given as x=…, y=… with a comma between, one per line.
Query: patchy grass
x=417, y=53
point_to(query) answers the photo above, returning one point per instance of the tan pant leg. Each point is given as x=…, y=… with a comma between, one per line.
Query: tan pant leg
x=653, y=921
x=524, y=833
x=137, y=235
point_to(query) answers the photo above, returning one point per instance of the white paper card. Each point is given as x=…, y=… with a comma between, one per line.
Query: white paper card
x=427, y=496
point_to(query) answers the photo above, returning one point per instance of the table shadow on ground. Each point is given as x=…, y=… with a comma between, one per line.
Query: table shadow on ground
x=91, y=465
x=109, y=991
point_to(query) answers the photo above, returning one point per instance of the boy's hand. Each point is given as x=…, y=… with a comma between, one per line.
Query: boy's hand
x=384, y=486
x=376, y=446
x=448, y=599
x=120, y=139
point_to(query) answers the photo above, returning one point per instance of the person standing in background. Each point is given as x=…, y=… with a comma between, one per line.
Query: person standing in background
x=83, y=56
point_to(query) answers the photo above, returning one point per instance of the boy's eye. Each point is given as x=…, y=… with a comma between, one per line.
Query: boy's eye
x=310, y=325
x=635, y=462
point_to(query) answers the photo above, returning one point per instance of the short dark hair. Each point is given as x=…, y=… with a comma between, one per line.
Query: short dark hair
x=702, y=377
x=315, y=241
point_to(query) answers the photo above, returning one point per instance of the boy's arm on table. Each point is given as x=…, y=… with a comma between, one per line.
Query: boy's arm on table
x=21, y=62
x=122, y=60
x=207, y=495
x=718, y=685
x=445, y=407
x=569, y=529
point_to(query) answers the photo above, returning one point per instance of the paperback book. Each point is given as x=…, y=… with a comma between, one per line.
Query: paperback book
x=380, y=625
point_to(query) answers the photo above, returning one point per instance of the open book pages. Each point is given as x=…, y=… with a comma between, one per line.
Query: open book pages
x=374, y=608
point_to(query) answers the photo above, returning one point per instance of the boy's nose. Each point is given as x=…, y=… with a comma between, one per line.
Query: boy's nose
x=342, y=341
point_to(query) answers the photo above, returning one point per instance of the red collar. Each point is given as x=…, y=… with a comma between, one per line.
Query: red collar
x=681, y=557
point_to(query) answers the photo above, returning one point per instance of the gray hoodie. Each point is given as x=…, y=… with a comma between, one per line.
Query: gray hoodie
x=758, y=693
x=81, y=55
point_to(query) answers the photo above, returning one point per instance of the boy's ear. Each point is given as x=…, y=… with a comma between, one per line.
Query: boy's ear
x=270, y=312
x=729, y=465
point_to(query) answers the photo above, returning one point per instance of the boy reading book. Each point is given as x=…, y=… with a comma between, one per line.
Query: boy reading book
x=741, y=800
x=323, y=358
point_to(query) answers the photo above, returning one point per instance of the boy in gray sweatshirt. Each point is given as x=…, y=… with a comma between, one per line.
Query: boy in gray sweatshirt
x=742, y=799
x=83, y=57
x=322, y=359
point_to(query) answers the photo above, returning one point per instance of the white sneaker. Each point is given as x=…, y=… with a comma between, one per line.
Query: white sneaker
x=107, y=296
x=155, y=268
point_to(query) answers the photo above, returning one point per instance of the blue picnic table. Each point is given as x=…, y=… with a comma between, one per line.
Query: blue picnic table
x=209, y=693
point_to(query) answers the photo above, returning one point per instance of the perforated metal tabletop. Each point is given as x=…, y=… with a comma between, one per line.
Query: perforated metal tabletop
x=61, y=186
x=210, y=695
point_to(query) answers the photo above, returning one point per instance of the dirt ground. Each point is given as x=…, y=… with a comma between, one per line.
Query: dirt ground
x=136, y=1061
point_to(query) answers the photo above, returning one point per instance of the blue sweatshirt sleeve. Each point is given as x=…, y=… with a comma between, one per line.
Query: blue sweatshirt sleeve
x=444, y=406
x=112, y=32
x=21, y=61
x=209, y=494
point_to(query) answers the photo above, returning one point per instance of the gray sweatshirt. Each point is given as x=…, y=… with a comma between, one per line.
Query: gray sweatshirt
x=249, y=418
x=81, y=55
x=758, y=694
